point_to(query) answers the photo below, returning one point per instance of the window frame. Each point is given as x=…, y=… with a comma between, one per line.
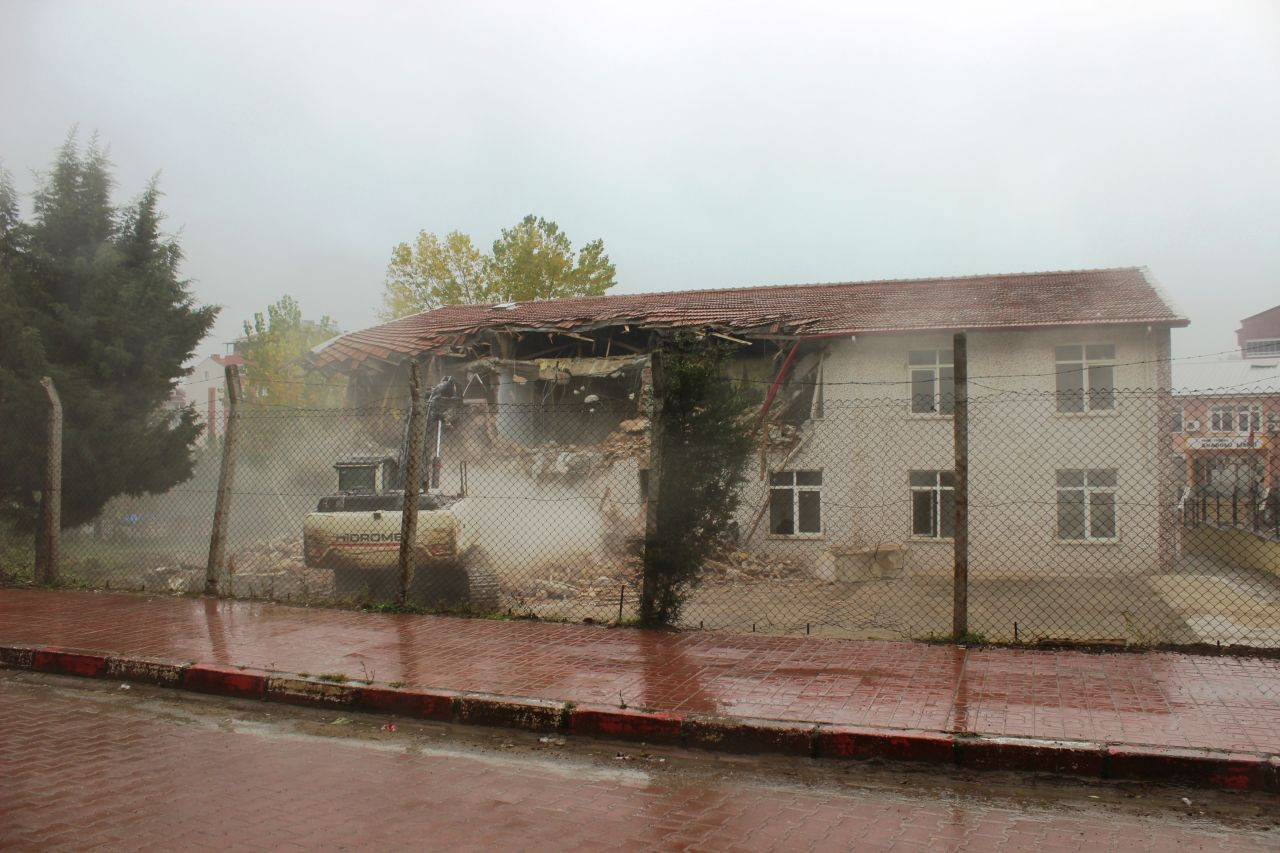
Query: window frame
x=936, y=492
x=1084, y=365
x=1271, y=350
x=1087, y=491
x=1216, y=414
x=1248, y=418
x=943, y=403
x=796, y=489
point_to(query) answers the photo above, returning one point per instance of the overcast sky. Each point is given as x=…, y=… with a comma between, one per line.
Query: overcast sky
x=708, y=144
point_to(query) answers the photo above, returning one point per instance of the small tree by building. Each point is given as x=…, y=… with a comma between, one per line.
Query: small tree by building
x=702, y=443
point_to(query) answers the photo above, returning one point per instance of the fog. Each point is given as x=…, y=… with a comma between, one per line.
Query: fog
x=709, y=145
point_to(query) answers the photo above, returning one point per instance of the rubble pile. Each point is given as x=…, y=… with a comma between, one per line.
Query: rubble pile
x=745, y=567
x=581, y=577
x=630, y=440
x=275, y=568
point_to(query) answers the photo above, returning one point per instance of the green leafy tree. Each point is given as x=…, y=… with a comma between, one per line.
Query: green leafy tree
x=433, y=272
x=534, y=259
x=272, y=346
x=705, y=443
x=90, y=295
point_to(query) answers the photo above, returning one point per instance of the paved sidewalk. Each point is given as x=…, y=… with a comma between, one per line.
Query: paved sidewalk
x=1158, y=699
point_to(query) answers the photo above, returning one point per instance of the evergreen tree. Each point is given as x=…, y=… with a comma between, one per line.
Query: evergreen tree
x=90, y=295
x=705, y=444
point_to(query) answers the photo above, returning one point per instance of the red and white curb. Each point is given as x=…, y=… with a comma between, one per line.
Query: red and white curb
x=1201, y=767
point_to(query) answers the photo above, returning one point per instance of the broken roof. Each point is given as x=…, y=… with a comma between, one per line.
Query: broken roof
x=1116, y=296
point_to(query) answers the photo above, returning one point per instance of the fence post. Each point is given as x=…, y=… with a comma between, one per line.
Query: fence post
x=226, y=476
x=50, y=529
x=649, y=583
x=412, y=483
x=960, y=429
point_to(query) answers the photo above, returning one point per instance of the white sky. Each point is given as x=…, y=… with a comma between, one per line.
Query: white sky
x=708, y=144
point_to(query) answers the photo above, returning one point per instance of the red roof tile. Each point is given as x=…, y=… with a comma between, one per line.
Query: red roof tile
x=1017, y=300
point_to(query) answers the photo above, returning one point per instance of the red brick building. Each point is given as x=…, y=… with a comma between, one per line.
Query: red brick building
x=1226, y=422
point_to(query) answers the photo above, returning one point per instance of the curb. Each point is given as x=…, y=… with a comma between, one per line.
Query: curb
x=1089, y=759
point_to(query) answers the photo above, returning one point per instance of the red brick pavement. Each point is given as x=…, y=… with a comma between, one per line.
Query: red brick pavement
x=1157, y=699
x=78, y=774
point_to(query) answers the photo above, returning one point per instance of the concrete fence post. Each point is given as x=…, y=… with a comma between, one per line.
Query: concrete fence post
x=649, y=582
x=47, y=536
x=960, y=429
x=412, y=483
x=226, y=477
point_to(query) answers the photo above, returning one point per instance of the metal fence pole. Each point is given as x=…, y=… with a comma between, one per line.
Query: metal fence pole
x=960, y=428
x=47, y=537
x=226, y=477
x=412, y=483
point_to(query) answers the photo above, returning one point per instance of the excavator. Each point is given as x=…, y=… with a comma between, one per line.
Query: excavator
x=356, y=532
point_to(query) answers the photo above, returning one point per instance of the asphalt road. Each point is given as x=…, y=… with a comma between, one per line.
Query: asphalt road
x=88, y=764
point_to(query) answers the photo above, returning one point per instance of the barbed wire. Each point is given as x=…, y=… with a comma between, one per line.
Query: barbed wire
x=404, y=387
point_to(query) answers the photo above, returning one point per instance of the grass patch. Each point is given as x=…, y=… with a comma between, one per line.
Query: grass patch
x=334, y=677
x=970, y=638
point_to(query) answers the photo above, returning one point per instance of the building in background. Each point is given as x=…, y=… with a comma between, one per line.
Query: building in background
x=1226, y=427
x=1259, y=335
x=205, y=389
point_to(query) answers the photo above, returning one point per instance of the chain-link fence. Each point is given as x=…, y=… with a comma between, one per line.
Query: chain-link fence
x=1089, y=519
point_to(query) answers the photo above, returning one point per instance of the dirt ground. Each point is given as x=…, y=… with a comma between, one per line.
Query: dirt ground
x=1200, y=600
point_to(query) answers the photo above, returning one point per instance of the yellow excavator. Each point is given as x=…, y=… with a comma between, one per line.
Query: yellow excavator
x=356, y=532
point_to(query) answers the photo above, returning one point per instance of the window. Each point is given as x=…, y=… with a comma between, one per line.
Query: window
x=933, y=387
x=1249, y=418
x=1273, y=422
x=357, y=478
x=1086, y=377
x=1221, y=418
x=1262, y=348
x=933, y=504
x=1087, y=504
x=1241, y=419
x=795, y=503
x=1179, y=420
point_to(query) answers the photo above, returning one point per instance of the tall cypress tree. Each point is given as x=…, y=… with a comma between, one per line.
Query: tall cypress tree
x=90, y=294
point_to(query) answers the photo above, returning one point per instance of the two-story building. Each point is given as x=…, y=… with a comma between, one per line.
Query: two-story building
x=1068, y=439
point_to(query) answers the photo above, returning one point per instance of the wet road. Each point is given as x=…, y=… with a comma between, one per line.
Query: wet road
x=85, y=764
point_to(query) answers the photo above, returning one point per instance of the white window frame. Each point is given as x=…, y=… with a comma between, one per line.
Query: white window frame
x=1084, y=364
x=1270, y=350
x=1222, y=418
x=1088, y=490
x=1273, y=422
x=942, y=405
x=796, y=490
x=1248, y=418
x=936, y=490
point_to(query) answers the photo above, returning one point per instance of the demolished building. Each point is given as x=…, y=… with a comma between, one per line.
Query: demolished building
x=568, y=380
